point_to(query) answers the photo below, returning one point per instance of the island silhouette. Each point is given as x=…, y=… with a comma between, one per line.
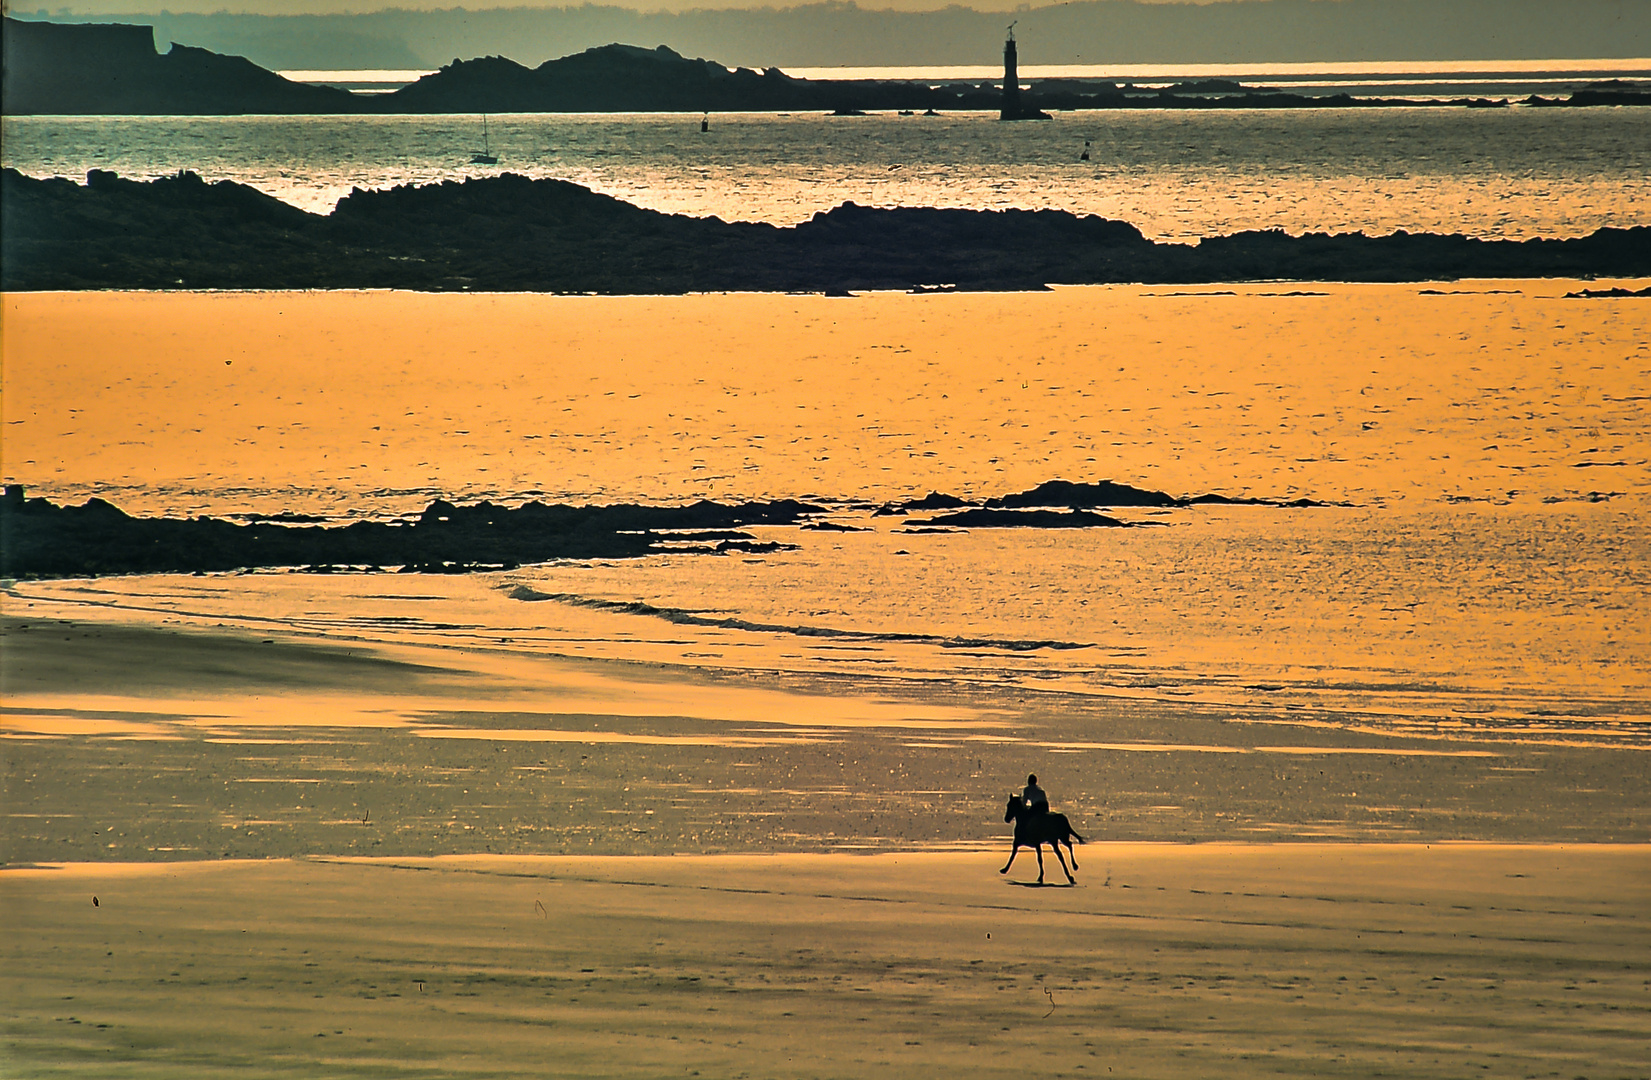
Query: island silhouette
x=114, y=69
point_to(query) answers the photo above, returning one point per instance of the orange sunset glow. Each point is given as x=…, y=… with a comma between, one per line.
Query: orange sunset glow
x=584, y=561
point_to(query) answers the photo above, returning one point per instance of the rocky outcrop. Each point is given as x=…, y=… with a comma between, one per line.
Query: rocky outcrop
x=1616, y=292
x=510, y=233
x=934, y=500
x=1582, y=99
x=1022, y=519
x=39, y=538
x=1106, y=493
x=1069, y=495
x=1083, y=496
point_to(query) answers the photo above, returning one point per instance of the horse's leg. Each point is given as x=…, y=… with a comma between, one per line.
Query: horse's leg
x=1039, y=849
x=1070, y=880
x=1015, y=850
x=1070, y=852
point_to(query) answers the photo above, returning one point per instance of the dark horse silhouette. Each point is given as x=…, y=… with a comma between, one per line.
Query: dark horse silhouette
x=1035, y=830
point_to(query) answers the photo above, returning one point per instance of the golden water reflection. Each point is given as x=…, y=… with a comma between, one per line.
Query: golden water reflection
x=370, y=404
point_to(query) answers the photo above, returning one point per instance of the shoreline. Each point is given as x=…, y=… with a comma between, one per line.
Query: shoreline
x=591, y=734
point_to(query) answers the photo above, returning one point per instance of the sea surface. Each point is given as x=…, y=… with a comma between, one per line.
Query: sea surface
x=1178, y=175
x=1456, y=645
x=1478, y=580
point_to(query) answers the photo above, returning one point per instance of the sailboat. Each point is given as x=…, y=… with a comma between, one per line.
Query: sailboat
x=485, y=155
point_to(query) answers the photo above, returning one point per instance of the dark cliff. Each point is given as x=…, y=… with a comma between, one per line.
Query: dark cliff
x=113, y=69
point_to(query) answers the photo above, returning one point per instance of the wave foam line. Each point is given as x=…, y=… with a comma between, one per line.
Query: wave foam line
x=686, y=617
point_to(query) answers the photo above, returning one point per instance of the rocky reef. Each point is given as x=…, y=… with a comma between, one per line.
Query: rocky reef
x=1022, y=519
x=39, y=538
x=1107, y=493
x=1062, y=504
x=509, y=233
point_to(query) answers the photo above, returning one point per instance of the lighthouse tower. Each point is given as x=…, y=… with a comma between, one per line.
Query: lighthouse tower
x=1012, y=107
x=1011, y=78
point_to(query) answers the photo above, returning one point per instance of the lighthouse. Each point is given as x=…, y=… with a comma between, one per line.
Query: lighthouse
x=1012, y=108
x=1011, y=78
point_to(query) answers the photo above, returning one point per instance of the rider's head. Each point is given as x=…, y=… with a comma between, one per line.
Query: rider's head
x=1032, y=779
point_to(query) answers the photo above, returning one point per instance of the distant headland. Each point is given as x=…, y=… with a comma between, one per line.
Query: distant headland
x=94, y=69
x=103, y=69
x=509, y=233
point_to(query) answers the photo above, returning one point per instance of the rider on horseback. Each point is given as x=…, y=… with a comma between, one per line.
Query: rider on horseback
x=1033, y=797
x=1036, y=825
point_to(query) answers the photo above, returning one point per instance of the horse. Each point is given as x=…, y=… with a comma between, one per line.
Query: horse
x=1035, y=830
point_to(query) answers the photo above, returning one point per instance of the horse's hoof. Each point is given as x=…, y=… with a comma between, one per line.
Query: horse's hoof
x=1005, y=870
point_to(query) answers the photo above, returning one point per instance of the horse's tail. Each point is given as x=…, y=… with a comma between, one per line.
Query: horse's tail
x=1075, y=833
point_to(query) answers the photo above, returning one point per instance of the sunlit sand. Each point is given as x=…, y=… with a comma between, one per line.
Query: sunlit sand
x=1323, y=960
x=184, y=739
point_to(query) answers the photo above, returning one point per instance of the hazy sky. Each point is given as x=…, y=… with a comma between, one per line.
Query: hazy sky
x=425, y=33
x=324, y=7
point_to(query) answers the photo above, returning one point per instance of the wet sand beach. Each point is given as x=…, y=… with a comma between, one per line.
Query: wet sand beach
x=178, y=742
x=1168, y=961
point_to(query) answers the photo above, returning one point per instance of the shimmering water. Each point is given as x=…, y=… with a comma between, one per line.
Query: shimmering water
x=1505, y=173
x=1488, y=579
x=1432, y=627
